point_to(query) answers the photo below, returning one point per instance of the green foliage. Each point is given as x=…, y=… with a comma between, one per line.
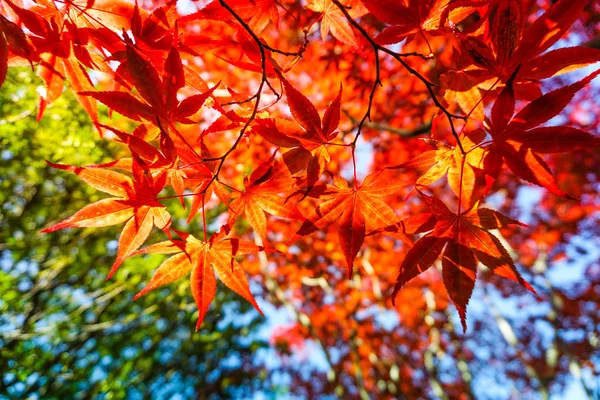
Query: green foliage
x=66, y=332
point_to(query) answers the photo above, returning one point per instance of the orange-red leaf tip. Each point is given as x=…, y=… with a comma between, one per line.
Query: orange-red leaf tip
x=200, y=320
x=140, y=294
x=56, y=227
x=56, y=165
x=463, y=318
x=99, y=129
x=114, y=268
x=49, y=229
x=293, y=239
x=394, y=294
x=259, y=310
x=529, y=287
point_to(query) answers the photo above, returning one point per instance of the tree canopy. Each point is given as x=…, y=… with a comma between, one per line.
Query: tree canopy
x=378, y=169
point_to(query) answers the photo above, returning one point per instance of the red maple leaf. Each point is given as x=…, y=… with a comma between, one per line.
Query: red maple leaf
x=359, y=211
x=506, y=47
x=406, y=18
x=261, y=195
x=308, y=144
x=159, y=94
x=518, y=141
x=466, y=239
x=203, y=259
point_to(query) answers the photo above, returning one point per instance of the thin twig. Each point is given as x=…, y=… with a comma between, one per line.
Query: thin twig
x=398, y=57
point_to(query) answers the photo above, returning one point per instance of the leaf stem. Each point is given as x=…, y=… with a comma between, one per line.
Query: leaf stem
x=203, y=218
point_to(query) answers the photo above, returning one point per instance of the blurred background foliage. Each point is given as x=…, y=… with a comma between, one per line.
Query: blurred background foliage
x=66, y=332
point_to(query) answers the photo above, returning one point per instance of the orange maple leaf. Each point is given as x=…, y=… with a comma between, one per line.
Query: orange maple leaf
x=261, y=195
x=358, y=211
x=203, y=259
x=335, y=21
x=463, y=170
x=135, y=203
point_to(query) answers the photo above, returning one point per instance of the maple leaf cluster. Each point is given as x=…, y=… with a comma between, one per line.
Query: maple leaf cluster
x=241, y=109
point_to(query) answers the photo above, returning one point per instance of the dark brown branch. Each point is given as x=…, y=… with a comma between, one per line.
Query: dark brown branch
x=398, y=57
x=257, y=95
x=405, y=133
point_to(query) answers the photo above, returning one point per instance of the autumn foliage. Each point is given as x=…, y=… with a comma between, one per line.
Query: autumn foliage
x=364, y=135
